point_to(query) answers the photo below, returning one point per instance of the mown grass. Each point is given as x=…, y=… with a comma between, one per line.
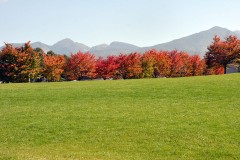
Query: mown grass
x=180, y=118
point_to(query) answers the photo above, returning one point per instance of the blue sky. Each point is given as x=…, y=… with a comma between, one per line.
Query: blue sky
x=92, y=22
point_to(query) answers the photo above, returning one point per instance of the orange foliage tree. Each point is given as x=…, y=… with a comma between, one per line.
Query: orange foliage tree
x=53, y=67
x=162, y=64
x=185, y=64
x=80, y=66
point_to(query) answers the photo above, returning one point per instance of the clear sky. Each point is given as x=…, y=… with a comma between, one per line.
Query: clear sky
x=93, y=22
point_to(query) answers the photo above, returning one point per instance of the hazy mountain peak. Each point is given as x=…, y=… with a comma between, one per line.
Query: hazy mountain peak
x=217, y=28
x=64, y=41
x=67, y=46
x=118, y=44
x=219, y=31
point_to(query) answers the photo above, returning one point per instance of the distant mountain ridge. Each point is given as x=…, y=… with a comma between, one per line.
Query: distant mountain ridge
x=114, y=48
x=65, y=46
x=193, y=44
x=196, y=43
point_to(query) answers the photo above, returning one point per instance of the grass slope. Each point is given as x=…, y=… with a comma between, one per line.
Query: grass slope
x=181, y=118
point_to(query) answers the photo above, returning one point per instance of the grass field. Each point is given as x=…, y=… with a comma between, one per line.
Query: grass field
x=180, y=118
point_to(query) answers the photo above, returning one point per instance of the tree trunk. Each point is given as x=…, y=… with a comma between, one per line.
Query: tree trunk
x=225, y=69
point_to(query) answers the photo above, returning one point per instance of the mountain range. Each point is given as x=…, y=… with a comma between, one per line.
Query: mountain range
x=193, y=44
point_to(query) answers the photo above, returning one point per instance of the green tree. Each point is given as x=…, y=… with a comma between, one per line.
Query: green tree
x=51, y=53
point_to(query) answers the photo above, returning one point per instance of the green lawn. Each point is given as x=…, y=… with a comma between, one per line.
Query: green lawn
x=180, y=118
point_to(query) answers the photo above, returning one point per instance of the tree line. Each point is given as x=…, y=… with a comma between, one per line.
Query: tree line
x=25, y=64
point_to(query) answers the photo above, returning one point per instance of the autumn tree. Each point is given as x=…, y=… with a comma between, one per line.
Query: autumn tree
x=162, y=64
x=8, y=63
x=40, y=54
x=222, y=52
x=175, y=63
x=53, y=66
x=107, y=68
x=80, y=65
x=185, y=64
x=215, y=70
x=19, y=64
x=129, y=65
x=197, y=65
x=148, y=64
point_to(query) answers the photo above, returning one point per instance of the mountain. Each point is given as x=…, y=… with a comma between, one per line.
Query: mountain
x=196, y=43
x=99, y=50
x=114, y=48
x=193, y=44
x=237, y=32
x=41, y=45
x=67, y=46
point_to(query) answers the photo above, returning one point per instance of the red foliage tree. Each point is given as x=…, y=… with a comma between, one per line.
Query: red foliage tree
x=221, y=53
x=129, y=65
x=107, y=68
x=80, y=66
x=197, y=65
x=215, y=70
x=53, y=66
x=175, y=63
